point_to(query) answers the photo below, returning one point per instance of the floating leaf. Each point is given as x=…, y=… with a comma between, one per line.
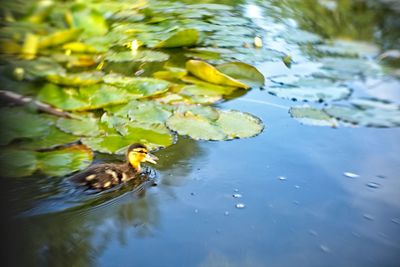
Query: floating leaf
x=18, y=123
x=311, y=94
x=39, y=68
x=142, y=111
x=76, y=79
x=242, y=72
x=237, y=124
x=186, y=37
x=348, y=48
x=195, y=126
x=228, y=125
x=30, y=47
x=82, y=126
x=79, y=47
x=99, y=96
x=210, y=74
x=90, y=21
x=110, y=144
x=63, y=98
x=367, y=112
x=140, y=86
x=54, y=138
x=17, y=163
x=140, y=56
x=65, y=161
x=312, y=116
x=59, y=38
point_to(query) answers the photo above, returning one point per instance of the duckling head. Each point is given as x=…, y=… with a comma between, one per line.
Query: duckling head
x=138, y=153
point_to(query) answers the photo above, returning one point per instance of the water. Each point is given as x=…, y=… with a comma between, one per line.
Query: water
x=315, y=218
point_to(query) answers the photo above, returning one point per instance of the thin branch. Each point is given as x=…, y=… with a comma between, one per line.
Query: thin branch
x=24, y=100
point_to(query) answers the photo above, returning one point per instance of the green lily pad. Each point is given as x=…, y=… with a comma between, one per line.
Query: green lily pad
x=141, y=86
x=210, y=74
x=21, y=163
x=18, y=123
x=140, y=56
x=76, y=79
x=142, y=111
x=242, y=72
x=39, y=68
x=109, y=144
x=367, y=112
x=17, y=163
x=64, y=161
x=59, y=38
x=99, y=96
x=237, y=124
x=54, y=138
x=186, y=37
x=195, y=126
x=90, y=21
x=228, y=125
x=82, y=126
x=63, y=98
x=312, y=116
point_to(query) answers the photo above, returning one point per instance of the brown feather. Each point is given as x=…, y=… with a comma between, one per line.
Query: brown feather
x=104, y=176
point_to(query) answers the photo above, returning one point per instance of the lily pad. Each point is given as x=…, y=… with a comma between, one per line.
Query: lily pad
x=312, y=116
x=99, y=96
x=243, y=72
x=140, y=86
x=186, y=37
x=64, y=161
x=83, y=126
x=39, y=68
x=228, y=125
x=140, y=56
x=17, y=163
x=142, y=111
x=63, y=98
x=210, y=74
x=195, y=126
x=54, y=138
x=348, y=48
x=90, y=21
x=76, y=79
x=21, y=163
x=59, y=38
x=237, y=124
x=18, y=123
x=367, y=112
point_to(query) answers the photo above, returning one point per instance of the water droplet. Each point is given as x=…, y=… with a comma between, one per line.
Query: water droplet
x=351, y=175
x=368, y=217
x=381, y=176
x=324, y=248
x=235, y=190
x=226, y=213
x=237, y=195
x=282, y=178
x=373, y=185
x=196, y=211
x=396, y=220
x=240, y=206
x=297, y=186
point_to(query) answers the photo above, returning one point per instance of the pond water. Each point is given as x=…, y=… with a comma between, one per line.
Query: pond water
x=282, y=198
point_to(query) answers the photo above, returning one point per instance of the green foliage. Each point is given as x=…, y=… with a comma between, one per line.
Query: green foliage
x=59, y=162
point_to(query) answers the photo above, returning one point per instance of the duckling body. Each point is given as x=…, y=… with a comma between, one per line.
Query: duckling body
x=104, y=176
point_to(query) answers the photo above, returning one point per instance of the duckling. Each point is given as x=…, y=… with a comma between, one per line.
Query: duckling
x=103, y=176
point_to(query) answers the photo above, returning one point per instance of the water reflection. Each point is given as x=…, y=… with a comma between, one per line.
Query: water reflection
x=80, y=227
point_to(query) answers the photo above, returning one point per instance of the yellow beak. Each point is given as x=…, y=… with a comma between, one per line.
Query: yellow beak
x=150, y=158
